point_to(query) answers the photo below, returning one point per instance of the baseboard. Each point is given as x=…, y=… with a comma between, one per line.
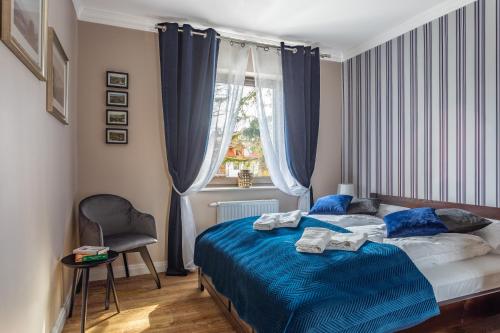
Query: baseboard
x=100, y=273
x=63, y=314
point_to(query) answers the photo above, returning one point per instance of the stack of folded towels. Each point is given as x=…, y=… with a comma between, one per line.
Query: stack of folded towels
x=317, y=240
x=278, y=220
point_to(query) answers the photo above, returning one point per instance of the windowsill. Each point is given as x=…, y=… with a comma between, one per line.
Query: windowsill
x=235, y=188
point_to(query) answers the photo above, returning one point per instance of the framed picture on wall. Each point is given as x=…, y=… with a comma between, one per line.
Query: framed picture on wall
x=57, y=78
x=116, y=80
x=117, y=117
x=23, y=30
x=116, y=98
x=116, y=136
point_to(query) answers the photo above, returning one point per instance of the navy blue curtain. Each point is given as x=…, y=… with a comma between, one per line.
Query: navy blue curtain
x=188, y=67
x=301, y=109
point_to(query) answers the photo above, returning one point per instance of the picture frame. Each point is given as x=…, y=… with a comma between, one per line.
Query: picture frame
x=116, y=98
x=116, y=80
x=23, y=30
x=117, y=136
x=117, y=117
x=57, y=78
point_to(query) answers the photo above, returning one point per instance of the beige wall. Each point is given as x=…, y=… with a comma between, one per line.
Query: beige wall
x=37, y=188
x=327, y=173
x=138, y=170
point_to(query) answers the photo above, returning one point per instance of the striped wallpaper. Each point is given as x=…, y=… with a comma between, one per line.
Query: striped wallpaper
x=421, y=114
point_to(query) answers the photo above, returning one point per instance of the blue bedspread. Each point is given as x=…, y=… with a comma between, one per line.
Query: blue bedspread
x=277, y=289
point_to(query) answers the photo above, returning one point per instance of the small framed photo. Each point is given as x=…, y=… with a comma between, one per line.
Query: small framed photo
x=57, y=78
x=116, y=98
x=116, y=136
x=116, y=80
x=117, y=117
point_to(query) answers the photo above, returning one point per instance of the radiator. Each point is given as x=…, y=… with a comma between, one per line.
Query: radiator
x=232, y=210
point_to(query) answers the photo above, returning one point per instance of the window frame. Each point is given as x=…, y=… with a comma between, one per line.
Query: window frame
x=224, y=181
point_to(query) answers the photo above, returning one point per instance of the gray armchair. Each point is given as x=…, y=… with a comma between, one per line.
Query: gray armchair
x=110, y=220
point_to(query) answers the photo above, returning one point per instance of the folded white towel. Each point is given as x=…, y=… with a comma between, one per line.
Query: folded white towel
x=278, y=220
x=266, y=222
x=290, y=219
x=346, y=242
x=313, y=240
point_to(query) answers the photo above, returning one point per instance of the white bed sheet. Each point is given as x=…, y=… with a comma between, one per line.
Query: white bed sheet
x=450, y=280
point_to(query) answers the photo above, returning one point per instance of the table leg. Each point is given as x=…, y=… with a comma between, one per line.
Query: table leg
x=79, y=283
x=112, y=282
x=106, y=300
x=85, y=293
x=73, y=291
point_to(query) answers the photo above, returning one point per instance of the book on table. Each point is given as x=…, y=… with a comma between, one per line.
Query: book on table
x=91, y=250
x=89, y=258
x=91, y=253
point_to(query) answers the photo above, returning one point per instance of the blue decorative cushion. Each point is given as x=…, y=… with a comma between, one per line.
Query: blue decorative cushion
x=332, y=205
x=414, y=222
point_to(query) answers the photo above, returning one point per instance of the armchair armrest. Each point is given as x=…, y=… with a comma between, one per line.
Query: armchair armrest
x=90, y=232
x=143, y=223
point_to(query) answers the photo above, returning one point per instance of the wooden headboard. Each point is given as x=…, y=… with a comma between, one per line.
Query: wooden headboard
x=484, y=211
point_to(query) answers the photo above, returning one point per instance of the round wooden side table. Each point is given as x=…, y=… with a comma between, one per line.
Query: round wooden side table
x=85, y=267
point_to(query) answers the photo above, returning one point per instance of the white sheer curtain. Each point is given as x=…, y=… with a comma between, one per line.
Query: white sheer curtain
x=269, y=88
x=230, y=80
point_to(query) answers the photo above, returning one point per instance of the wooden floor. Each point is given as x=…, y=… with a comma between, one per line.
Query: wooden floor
x=178, y=307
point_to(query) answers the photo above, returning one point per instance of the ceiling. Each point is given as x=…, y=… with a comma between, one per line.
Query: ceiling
x=341, y=28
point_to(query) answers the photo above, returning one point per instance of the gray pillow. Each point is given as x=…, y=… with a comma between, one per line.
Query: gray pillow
x=363, y=206
x=461, y=221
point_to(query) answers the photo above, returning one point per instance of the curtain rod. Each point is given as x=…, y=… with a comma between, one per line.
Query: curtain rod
x=240, y=41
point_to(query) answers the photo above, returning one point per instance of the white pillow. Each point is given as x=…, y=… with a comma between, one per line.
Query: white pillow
x=384, y=210
x=426, y=251
x=491, y=234
x=376, y=233
x=353, y=220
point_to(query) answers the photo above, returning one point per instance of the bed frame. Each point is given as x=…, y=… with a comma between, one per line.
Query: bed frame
x=455, y=312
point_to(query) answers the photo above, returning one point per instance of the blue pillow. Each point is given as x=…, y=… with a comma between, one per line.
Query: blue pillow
x=332, y=205
x=414, y=222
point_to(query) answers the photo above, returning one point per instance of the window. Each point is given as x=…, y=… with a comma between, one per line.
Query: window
x=245, y=149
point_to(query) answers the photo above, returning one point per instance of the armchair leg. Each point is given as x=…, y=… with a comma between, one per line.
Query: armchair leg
x=126, y=264
x=147, y=259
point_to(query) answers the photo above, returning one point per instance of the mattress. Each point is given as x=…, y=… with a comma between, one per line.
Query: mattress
x=466, y=277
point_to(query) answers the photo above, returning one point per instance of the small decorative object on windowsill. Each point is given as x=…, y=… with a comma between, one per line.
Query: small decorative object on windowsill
x=244, y=178
x=347, y=189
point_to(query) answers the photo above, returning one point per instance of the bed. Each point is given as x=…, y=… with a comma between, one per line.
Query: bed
x=465, y=290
